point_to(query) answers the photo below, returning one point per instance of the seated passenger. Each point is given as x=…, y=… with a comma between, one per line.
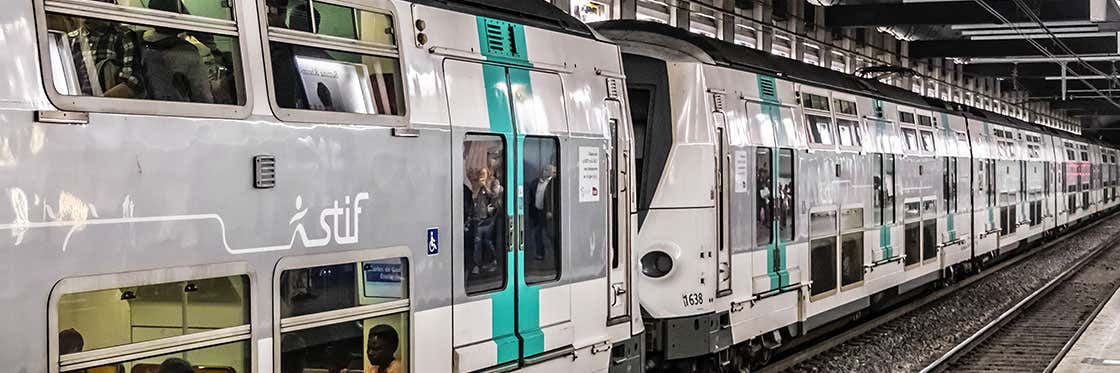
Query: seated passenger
x=70, y=341
x=173, y=69
x=176, y=365
x=104, y=54
x=290, y=92
x=381, y=349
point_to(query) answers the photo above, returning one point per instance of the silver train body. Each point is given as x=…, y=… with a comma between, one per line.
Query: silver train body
x=777, y=198
x=106, y=200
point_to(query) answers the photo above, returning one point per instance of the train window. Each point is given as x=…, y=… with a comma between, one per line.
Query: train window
x=848, y=131
x=911, y=136
x=822, y=223
x=929, y=239
x=344, y=312
x=542, y=208
x=203, y=8
x=817, y=102
x=103, y=51
x=889, y=184
x=484, y=213
x=905, y=117
x=787, y=194
x=925, y=121
x=192, y=321
x=851, y=258
x=913, y=210
x=820, y=129
x=823, y=265
x=913, y=240
x=309, y=290
x=764, y=182
x=927, y=141
x=1084, y=156
x=877, y=193
x=991, y=182
x=845, y=107
x=361, y=74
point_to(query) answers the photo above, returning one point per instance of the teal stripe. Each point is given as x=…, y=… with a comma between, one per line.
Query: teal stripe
x=513, y=308
x=884, y=228
x=776, y=251
x=502, y=302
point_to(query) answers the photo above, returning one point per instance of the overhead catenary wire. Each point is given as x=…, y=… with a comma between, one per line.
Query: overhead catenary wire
x=984, y=4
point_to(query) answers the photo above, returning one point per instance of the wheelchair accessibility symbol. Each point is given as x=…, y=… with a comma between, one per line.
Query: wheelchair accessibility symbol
x=433, y=241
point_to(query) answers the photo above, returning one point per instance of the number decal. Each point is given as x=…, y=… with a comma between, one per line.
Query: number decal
x=692, y=299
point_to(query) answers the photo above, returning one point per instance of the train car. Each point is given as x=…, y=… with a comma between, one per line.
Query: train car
x=327, y=186
x=778, y=199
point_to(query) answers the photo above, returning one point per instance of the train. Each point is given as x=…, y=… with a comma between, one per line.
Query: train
x=389, y=186
x=778, y=199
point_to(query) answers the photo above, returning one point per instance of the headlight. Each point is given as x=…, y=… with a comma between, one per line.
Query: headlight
x=656, y=264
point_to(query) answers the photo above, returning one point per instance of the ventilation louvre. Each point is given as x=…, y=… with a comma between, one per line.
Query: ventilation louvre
x=767, y=88
x=612, y=88
x=264, y=171
x=501, y=39
x=718, y=101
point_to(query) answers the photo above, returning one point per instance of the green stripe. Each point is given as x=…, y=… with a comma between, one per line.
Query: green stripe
x=515, y=311
x=776, y=251
x=884, y=228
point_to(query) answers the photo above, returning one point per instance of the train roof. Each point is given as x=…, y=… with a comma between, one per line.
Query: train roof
x=722, y=53
x=533, y=13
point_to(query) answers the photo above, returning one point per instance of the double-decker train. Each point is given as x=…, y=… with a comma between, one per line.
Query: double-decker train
x=777, y=198
x=337, y=186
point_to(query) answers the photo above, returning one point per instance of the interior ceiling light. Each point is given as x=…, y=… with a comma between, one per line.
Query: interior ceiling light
x=837, y=2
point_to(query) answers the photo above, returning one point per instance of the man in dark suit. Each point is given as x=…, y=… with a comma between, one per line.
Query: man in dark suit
x=544, y=210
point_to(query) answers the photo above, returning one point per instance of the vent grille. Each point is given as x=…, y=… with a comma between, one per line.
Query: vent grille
x=767, y=88
x=264, y=171
x=612, y=88
x=500, y=39
x=718, y=101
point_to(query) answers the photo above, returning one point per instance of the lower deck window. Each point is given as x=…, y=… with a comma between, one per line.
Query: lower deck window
x=207, y=318
x=823, y=263
x=345, y=317
x=913, y=241
x=929, y=239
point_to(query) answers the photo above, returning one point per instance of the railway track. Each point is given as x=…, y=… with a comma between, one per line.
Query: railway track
x=820, y=345
x=1035, y=334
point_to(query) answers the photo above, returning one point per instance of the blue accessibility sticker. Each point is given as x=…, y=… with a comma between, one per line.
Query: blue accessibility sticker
x=433, y=241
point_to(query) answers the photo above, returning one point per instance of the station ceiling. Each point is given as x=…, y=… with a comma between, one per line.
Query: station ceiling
x=1022, y=43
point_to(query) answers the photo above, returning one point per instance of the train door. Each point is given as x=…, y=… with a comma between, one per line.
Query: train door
x=508, y=220
x=621, y=218
x=722, y=181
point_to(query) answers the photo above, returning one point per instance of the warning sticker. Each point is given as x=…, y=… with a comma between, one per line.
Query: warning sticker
x=742, y=171
x=588, y=174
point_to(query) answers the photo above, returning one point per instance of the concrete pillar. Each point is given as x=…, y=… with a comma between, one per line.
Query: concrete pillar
x=727, y=27
x=565, y=5
x=627, y=9
x=681, y=15
x=764, y=13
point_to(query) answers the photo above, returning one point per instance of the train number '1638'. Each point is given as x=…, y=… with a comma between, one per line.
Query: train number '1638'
x=692, y=299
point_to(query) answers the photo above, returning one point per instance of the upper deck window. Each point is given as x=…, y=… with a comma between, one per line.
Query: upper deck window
x=905, y=117
x=331, y=57
x=846, y=107
x=817, y=102
x=926, y=121
x=165, y=50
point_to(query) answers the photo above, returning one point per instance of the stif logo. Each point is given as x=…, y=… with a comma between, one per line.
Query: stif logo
x=329, y=222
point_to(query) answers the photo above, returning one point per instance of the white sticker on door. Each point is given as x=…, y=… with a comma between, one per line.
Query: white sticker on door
x=588, y=174
x=742, y=171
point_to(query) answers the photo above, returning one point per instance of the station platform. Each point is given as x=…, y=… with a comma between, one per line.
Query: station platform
x=1098, y=349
